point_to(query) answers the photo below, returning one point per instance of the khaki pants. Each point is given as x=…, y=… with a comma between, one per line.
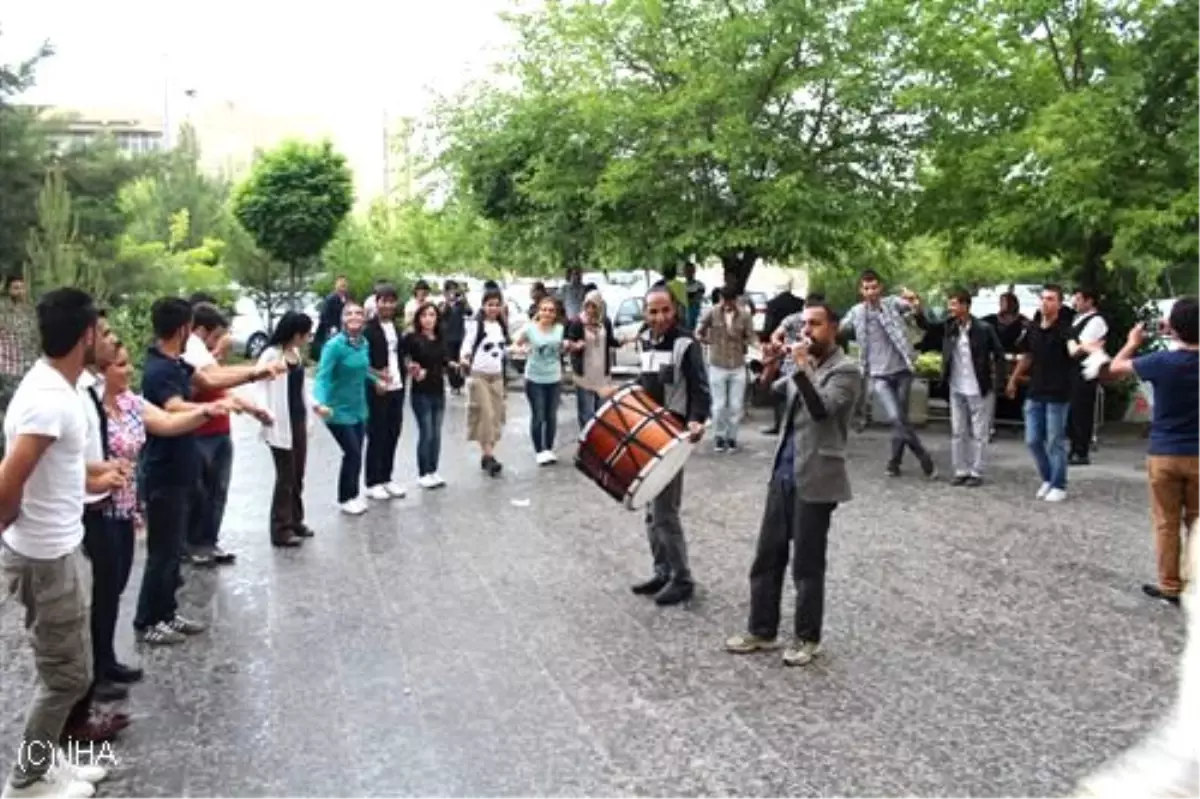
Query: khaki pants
x=56, y=595
x=1174, y=500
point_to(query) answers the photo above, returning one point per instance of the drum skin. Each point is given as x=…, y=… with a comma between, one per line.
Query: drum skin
x=627, y=434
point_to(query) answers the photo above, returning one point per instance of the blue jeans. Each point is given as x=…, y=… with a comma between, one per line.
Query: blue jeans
x=728, y=388
x=1046, y=435
x=350, y=438
x=428, y=410
x=893, y=391
x=543, y=407
x=216, y=464
x=586, y=403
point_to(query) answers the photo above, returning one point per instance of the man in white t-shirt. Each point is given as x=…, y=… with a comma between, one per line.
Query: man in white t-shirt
x=43, y=480
x=1089, y=330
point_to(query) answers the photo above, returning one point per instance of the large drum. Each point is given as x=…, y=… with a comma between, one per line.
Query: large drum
x=633, y=447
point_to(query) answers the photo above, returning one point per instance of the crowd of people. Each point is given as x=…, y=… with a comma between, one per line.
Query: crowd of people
x=87, y=459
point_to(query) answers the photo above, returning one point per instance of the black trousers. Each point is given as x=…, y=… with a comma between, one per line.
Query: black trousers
x=108, y=544
x=383, y=433
x=788, y=519
x=1082, y=419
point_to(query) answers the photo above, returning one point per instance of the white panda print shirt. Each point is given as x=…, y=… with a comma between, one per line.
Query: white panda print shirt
x=488, y=357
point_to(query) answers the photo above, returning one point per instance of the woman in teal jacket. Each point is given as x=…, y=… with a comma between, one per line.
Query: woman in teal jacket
x=341, y=387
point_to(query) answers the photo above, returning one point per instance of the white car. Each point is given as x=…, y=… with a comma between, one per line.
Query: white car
x=249, y=326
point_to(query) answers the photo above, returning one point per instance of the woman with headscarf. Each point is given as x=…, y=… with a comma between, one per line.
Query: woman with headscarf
x=591, y=343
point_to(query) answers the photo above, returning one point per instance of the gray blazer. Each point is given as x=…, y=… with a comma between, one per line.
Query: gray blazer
x=821, y=443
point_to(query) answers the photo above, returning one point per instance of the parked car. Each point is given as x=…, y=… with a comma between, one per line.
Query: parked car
x=249, y=326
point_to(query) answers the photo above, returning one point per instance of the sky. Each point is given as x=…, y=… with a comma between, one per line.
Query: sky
x=347, y=62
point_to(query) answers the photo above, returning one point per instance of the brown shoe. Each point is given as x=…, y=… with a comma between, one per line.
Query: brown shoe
x=289, y=541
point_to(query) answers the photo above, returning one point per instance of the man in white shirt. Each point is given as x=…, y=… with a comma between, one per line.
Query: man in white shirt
x=214, y=442
x=1089, y=329
x=43, y=481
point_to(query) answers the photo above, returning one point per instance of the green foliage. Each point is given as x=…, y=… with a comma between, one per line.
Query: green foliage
x=729, y=128
x=53, y=246
x=294, y=200
x=151, y=203
x=22, y=163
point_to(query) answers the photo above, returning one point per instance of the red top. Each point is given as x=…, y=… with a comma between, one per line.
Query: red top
x=218, y=425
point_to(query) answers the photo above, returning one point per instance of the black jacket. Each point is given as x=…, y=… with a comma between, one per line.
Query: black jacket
x=454, y=321
x=331, y=315
x=987, y=354
x=780, y=307
x=377, y=346
x=575, y=332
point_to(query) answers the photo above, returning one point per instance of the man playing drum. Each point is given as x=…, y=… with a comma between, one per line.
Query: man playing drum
x=673, y=373
x=808, y=481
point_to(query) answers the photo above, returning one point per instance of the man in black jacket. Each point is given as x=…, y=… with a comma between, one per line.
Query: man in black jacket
x=674, y=374
x=454, y=311
x=780, y=307
x=972, y=366
x=386, y=399
x=330, y=323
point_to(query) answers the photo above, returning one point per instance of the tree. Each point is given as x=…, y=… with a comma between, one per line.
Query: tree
x=53, y=248
x=150, y=203
x=646, y=133
x=55, y=256
x=293, y=202
x=22, y=163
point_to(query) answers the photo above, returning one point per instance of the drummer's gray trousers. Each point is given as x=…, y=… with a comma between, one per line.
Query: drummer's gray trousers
x=666, y=533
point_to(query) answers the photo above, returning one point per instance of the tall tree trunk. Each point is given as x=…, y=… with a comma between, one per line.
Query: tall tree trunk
x=1093, y=272
x=737, y=266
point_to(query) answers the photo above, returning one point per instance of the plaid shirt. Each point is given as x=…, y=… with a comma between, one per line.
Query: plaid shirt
x=19, y=343
x=892, y=313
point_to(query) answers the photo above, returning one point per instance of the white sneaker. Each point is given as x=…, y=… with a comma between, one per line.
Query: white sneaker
x=396, y=490
x=1055, y=495
x=66, y=771
x=378, y=492
x=355, y=507
x=438, y=480
x=50, y=786
x=541, y=459
x=427, y=481
x=1044, y=490
x=551, y=457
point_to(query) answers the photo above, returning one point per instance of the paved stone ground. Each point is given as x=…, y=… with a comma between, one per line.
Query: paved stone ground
x=460, y=643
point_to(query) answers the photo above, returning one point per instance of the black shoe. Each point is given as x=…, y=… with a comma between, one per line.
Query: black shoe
x=1155, y=592
x=222, y=557
x=892, y=471
x=651, y=586
x=731, y=445
x=1079, y=460
x=121, y=673
x=719, y=446
x=304, y=531
x=770, y=431
x=959, y=480
x=291, y=542
x=675, y=593
x=494, y=468
x=973, y=482
x=110, y=692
